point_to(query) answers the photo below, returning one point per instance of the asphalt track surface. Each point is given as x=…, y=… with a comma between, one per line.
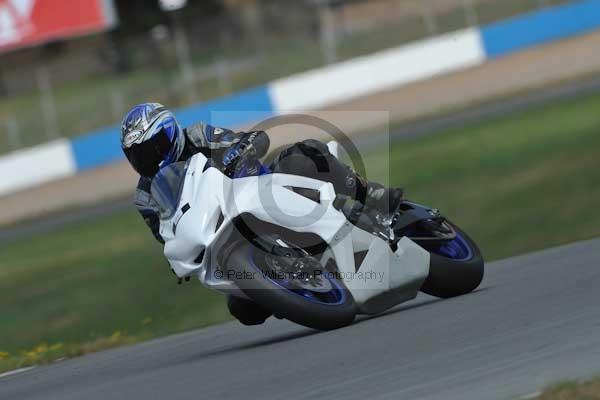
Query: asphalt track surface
x=408, y=131
x=535, y=321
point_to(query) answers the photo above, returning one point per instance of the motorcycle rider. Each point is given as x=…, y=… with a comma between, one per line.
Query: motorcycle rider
x=151, y=139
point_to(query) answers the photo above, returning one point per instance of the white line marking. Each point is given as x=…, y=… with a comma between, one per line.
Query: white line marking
x=16, y=371
x=531, y=396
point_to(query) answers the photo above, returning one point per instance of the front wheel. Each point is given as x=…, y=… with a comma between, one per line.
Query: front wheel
x=456, y=267
x=324, y=303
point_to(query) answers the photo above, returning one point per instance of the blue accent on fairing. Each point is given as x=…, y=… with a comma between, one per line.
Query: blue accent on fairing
x=260, y=170
x=264, y=170
x=539, y=27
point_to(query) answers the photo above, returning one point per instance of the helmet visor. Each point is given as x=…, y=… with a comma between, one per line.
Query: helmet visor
x=147, y=156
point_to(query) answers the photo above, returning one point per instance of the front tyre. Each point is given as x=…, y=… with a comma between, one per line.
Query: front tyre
x=328, y=309
x=456, y=267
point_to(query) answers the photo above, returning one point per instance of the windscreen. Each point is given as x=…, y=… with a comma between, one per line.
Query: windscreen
x=166, y=188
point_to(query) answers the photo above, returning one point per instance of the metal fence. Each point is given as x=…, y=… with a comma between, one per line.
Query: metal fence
x=77, y=87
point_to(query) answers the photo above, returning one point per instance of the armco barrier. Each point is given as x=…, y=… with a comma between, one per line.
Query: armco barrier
x=319, y=88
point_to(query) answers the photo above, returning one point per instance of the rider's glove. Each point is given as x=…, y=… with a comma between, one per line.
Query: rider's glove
x=240, y=150
x=232, y=157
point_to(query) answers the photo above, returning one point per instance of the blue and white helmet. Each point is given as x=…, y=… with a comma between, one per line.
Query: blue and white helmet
x=151, y=138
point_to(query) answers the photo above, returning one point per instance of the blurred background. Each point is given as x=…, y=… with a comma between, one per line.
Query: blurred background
x=204, y=50
x=501, y=133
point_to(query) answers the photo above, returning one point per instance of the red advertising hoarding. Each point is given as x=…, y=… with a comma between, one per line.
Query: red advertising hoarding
x=31, y=22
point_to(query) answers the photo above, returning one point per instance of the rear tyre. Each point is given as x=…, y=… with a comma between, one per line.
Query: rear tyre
x=456, y=268
x=318, y=310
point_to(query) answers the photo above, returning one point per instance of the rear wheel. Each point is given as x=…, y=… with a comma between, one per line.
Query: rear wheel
x=316, y=300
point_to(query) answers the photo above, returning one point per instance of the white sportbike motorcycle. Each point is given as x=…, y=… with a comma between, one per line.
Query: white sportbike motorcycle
x=293, y=246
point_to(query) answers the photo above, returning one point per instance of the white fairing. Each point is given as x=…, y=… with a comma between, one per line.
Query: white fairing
x=208, y=194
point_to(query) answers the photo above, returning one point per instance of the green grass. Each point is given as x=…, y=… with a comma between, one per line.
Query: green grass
x=92, y=286
x=525, y=182
x=587, y=390
x=517, y=184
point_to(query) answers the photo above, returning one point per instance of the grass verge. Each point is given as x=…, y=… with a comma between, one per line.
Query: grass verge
x=516, y=184
x=92, y=286
x=587, y=390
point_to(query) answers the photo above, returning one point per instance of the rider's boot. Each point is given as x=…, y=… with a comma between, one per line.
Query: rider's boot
x=385, y=199
x=374, y=205
x=247, y=311
x=374, y=195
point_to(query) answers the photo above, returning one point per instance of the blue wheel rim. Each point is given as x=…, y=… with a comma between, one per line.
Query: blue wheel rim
x=457, y=249
x=336, y=296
